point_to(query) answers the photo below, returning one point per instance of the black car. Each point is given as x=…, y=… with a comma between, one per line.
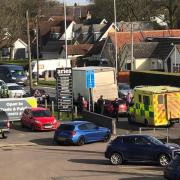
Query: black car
x=172, y=171
x=4, y=124
x=140, y=148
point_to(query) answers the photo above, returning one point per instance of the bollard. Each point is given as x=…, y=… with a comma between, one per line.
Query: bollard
x=75, y=111
x=52, y=107
x=167, y=140
x=45, y=103
x=140, y=130
x=113, y=127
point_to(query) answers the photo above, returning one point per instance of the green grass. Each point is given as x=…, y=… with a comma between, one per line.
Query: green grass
x=50, y=83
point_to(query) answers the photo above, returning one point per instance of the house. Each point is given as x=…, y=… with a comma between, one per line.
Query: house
x=123, y=38
x=135, y=26
x=85, y=33
x=146, y=56
x=14, y=49
x=52, y=35
x=75, y=51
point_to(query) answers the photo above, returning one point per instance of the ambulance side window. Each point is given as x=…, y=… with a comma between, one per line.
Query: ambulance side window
x=146, y=100
x=160, y=99
x=140, y=98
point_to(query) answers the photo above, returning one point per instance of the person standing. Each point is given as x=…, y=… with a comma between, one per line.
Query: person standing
x=100, y=104
x=116, y=108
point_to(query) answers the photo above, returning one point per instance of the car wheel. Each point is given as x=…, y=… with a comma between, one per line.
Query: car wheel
x=146, y=123
x=116, y=159
x=164, y=160
x=107, y=137
x=4, y=135
x=81, y=141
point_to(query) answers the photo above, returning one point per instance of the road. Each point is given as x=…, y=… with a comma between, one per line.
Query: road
x=33, y=155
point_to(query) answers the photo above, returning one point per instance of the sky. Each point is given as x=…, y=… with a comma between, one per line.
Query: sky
x=71, y=2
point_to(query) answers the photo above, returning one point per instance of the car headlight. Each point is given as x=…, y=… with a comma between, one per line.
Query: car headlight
x=36, y=121
x=54, y=121
x=13, y=78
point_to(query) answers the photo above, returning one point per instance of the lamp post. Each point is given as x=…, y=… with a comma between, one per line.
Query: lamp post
x=65, y=27
x=132, y=48
x=115, y=24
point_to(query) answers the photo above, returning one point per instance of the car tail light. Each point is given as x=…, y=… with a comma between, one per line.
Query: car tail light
x=73, y=133
x=8, y=124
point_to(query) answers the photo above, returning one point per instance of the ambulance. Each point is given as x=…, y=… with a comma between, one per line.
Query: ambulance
x=155, y=105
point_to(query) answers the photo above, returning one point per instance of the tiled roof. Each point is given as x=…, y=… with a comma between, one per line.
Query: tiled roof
x=158, y=50
x=125, y=37
x=80, y=49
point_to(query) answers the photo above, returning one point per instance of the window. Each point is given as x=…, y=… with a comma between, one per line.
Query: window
x=160, y=99
x=128, y=140
x=141, y=141
x=146, y=100
x=91, y=126
x=66, y=127
x=83, y=127
x=140, y=98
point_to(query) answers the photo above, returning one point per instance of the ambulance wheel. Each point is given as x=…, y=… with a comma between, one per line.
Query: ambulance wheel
x=146, y=122
x=131, y=119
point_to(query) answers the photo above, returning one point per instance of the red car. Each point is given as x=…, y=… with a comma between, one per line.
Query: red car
x=109, y=108
x=38, y=119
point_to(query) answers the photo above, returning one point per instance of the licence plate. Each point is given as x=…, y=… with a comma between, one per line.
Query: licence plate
x=61, y=138
x=47, y=127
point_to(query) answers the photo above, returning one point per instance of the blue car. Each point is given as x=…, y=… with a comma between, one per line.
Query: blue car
x=80, y=132
x=140, y=148
x=172, y=171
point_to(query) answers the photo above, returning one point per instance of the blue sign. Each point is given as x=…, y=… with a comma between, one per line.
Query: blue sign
x=90, y=79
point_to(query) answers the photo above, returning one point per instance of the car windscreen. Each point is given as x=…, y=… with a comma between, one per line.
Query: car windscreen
x=121, y=101
x=14, y=88
x=154, y=140
x=124, y=87
x=66, y=127
x=3, y=116
x=17, y=72
x=41, y=113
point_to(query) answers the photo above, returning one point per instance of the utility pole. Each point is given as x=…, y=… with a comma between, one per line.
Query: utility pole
x=37, y=45
x=29, y=52
x=65, y=27
x=132, y=48
x=115, y=24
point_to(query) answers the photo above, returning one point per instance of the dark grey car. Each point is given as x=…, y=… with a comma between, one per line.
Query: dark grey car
x=4, y=124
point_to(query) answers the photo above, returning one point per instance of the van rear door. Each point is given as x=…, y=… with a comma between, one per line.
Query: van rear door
x=173, y=105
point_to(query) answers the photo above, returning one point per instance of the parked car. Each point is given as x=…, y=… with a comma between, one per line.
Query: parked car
x=140, y=148
x=80, y=132
x=41, y=95
x=38, y=119
x=109, y=108
x=172, y=171
x=123, y=90
x=4, y=124
x=2, y=83
x=12, y=90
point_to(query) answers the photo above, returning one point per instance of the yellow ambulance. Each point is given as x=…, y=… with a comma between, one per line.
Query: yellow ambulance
x=155, y=105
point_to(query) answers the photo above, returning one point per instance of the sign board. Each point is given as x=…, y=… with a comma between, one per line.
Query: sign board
x=15, y=106
x=90, y=79
x=64, y=89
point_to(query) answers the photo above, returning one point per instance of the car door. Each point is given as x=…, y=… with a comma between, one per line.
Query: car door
x=144, y=149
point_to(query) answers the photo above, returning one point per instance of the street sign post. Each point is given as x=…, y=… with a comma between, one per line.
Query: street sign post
x=90, y=83
x=64, y=89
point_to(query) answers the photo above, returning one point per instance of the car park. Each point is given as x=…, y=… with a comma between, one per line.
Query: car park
x=80, y=133
x=38, y=119
x=4, y=124
x=172, y=171
x=109, y=108
x=12, y=90
x=140, y=148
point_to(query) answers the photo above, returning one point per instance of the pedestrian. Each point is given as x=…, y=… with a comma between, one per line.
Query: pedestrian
x=80, y=103
x=116, y=108
x=129, y=98
x=100, y=104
